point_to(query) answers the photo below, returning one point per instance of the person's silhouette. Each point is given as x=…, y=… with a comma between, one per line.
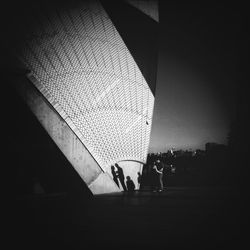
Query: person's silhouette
x=158, y=167
x=115, y=175
x=130, y=185
x=139, y=180
x=121, y=176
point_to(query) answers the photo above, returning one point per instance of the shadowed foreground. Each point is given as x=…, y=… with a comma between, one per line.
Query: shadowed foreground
x=178, y=218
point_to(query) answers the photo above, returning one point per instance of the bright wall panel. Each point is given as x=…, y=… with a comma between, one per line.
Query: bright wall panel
x=84, y=69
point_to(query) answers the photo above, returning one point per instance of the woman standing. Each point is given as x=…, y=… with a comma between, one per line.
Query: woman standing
x=158, y=167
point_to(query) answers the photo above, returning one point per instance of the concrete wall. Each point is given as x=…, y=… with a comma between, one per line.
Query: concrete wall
x=98, y=181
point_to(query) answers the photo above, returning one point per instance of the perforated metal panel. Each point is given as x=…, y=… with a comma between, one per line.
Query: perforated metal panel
x=81, y=65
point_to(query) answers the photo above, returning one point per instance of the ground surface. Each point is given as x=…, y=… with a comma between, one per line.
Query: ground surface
x=178, y=218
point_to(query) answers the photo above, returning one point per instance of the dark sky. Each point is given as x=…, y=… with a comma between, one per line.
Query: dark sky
x=202, y=64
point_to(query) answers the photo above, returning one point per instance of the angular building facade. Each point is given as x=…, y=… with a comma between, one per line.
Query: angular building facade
x=92, y=69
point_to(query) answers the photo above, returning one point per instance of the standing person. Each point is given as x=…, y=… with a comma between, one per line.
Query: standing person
x=115, y=175
x=158, y=167
x=130, y=185
x=154, y=178
x=121, y=176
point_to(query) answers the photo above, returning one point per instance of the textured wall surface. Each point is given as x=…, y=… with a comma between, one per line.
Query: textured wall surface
x=79, y=62
x=82, y=66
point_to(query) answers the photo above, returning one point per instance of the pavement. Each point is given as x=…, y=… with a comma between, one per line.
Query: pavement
x=177, y=218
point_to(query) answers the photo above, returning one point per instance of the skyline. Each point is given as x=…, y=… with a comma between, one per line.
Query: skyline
x=201, y=49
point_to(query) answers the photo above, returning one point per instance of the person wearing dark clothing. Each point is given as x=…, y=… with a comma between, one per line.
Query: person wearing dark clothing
x=121, y=176
x=115, y=175
x=154, y=178
x=130, y=184
x=158, y=167
x=139, y=179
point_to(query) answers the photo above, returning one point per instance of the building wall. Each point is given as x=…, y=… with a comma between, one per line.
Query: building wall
x=81, y=65
x=76, y=153
x=149, y=7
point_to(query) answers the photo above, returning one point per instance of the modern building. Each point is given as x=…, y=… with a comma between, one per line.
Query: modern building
x=90, y=81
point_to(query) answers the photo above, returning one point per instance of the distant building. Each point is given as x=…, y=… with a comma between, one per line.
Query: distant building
x=212, y=147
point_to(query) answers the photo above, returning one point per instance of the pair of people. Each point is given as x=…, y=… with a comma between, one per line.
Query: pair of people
x=130, y=186
x=118, y=175
x=158, y=167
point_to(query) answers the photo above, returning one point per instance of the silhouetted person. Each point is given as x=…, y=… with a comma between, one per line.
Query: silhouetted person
x=130, y=185
x=115, y=175
x=153, y=178
x=158, y=167
x=121, y=176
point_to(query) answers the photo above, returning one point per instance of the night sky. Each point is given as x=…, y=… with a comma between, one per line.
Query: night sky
x=202, y=66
